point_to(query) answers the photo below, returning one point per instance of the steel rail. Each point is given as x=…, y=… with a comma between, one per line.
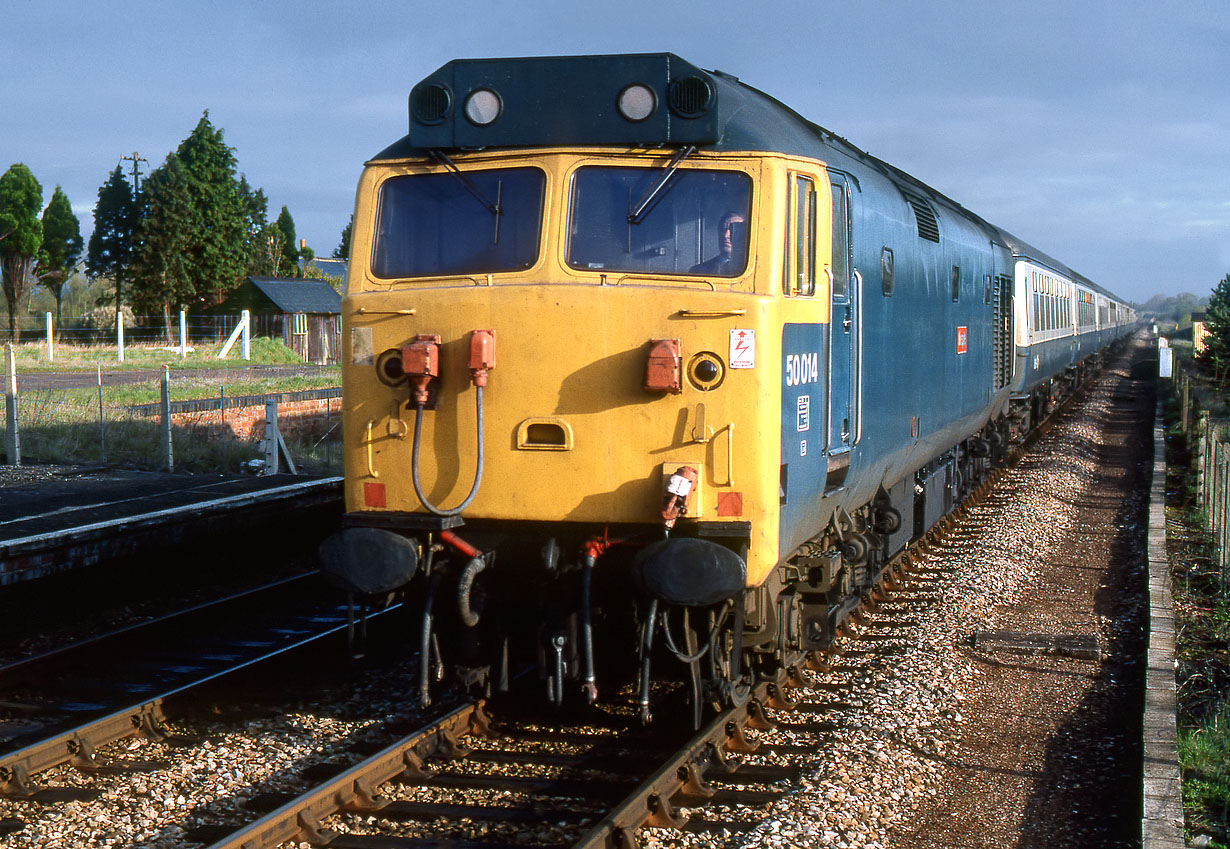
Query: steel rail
x=680, y=780
x=77, y=745
x=154, y=518
x=25, y=662
x=354, y=789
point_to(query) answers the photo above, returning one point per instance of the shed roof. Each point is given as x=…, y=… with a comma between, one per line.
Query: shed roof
x=298, y=294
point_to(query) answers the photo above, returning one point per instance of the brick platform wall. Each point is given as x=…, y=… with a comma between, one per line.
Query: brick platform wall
x=296, y=420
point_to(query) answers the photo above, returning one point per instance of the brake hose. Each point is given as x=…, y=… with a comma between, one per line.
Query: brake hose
x=414, y=460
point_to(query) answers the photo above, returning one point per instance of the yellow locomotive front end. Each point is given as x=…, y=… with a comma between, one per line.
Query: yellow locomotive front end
x=563, y=365
x=612, y=362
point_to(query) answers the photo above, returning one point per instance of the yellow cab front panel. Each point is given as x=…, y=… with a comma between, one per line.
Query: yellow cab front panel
x=619, y=356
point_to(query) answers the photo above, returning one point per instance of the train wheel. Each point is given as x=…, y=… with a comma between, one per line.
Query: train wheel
x=854, y=548
x=887, y=521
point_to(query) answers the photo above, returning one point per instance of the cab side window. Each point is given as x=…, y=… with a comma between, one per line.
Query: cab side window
x=805, y=241
x=841, y=246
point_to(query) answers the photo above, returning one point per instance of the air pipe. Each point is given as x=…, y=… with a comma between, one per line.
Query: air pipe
x=420, y=361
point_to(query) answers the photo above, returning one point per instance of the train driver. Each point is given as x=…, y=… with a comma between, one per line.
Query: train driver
x=726, y=263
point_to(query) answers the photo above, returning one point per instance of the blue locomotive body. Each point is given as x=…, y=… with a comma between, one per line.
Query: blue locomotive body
x=788, y=413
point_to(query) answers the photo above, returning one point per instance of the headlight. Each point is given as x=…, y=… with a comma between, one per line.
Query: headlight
x=637, y=102
x=483, y=106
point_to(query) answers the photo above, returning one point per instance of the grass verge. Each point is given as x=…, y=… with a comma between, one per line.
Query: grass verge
x=86, y=425
x=1202, y=612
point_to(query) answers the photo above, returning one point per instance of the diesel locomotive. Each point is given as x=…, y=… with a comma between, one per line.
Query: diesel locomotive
x=638, y=362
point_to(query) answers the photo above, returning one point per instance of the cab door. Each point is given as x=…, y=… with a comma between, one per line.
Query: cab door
x=843, y=342
x=804, y=339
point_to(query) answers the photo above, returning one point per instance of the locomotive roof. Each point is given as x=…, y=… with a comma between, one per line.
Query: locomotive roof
x=574, y=100
x=470, y=104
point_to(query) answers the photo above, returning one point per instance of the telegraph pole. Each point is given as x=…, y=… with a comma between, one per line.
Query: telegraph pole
x=136, y=160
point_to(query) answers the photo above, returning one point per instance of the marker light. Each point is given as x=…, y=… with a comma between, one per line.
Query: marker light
x=483, y=106
x=637, y=102
x=706, y=371
x=431, y=103
x=690, y=97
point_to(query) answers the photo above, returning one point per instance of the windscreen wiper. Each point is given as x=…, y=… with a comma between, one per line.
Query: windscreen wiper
x=494, y=208
x=642, y=206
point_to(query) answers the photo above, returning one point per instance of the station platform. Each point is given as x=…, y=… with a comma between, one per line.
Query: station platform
x=57, y=518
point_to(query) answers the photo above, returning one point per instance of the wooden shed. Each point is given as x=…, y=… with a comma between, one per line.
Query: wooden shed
x=305, y=314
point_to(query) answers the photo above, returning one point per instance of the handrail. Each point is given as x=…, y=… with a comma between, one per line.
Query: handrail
x=685, y=313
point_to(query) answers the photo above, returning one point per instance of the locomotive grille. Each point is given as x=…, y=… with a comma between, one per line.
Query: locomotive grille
x=690, y=96
x=928, y=226
x=431, y=103
x=1001, y=334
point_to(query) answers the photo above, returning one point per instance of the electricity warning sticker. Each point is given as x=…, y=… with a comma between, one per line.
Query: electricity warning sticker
x=742, y=349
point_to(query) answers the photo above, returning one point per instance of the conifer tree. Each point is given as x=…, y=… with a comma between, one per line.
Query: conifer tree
x=259, y=233
x=21, y=236
x=218, y=257
x=342, y=251
x=1216, y=351
x=161, y=277
x=285, y=226
x=111, y=244
x=62, y=244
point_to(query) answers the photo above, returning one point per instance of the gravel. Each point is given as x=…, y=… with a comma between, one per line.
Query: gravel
x=238, y=758
x=22, y=475
x=915, y=708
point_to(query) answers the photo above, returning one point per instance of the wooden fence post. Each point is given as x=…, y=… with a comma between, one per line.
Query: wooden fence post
x=1223, y=537
x=1201, y=456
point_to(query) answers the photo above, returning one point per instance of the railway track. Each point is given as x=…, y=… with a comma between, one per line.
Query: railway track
x=464, y=779
x=599, y=786
x=63, y=705
x=589, y=785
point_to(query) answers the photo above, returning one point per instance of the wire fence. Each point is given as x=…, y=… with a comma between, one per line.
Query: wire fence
x=1205, y=420
x=101, y=327
x=184, y=420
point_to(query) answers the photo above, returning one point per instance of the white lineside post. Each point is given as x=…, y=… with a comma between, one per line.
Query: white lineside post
x=51, y=353
x=119, y=333
x=275, y=445
x=102, y=430
x=12, y=443
x=247, y=335
x=166, y=418
x=241, y=328
x=183, y=334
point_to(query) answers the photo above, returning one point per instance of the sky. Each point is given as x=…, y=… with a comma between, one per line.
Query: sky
x=1097, y=131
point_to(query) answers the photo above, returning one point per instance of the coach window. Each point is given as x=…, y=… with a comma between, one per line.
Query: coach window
x=886, y=272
